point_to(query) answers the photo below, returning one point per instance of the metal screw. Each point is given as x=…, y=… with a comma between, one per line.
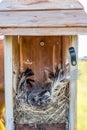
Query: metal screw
x=42, y=43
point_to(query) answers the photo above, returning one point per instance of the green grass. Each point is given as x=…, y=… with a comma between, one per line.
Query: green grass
x=82, y=97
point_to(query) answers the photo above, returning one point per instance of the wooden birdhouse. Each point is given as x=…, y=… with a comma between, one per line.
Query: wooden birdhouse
x=40, y=52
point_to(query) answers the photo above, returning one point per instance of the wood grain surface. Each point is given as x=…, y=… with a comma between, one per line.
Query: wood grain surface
x=39, y=4
x=38, y=19
x=40, y=57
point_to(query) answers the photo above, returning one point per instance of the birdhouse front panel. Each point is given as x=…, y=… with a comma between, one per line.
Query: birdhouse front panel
x=40, y=50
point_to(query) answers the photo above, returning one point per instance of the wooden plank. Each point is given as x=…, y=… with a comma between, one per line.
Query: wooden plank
x=42, y=19
x=21, y=53
x=66, y=43
x=69, y=41
x=43, y=31
x=40, y=5
x=73, y=88
x=15, y=61
x=8, y=82
x=40, y=57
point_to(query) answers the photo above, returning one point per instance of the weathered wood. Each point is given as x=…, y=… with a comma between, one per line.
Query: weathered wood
x=11, y=72
x=40, y=57
x=8, y=82
x=15, y=61
x=39, y=4
x=35, y=19
x=43, y=31
x=66, y=43
x=73, y=87
x=21, y=55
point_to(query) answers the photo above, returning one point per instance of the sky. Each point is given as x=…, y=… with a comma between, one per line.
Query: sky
x=82, y=48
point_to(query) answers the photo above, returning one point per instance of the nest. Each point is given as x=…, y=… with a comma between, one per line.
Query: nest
x=49, y=110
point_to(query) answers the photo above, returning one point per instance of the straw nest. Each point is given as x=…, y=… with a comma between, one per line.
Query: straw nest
x=52, y=110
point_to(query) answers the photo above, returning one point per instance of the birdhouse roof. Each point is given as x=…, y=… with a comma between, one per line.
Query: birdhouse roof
x=42, y=17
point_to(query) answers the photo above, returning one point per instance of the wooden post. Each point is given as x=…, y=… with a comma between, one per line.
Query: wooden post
x=15, y=61
x=9, y=44
x=73, y=88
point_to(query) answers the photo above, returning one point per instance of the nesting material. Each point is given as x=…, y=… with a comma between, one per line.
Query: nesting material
x=42, y=103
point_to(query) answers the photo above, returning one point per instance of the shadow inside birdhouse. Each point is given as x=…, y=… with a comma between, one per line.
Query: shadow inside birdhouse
x=41, y=98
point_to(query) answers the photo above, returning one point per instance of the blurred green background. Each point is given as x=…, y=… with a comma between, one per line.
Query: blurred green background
x=82, y=96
